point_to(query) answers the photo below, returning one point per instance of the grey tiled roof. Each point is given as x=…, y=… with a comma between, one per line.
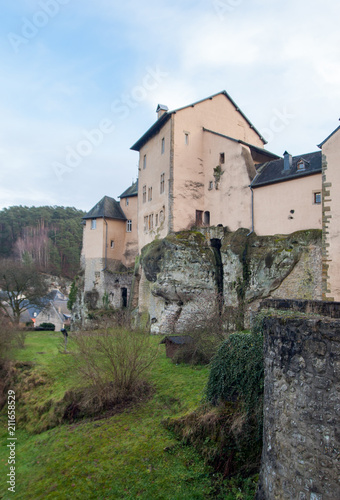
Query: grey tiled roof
x=273, y=171
x=130, y=191
x=107, y=208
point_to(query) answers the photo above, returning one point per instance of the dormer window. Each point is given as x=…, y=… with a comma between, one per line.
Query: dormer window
x=301, y=165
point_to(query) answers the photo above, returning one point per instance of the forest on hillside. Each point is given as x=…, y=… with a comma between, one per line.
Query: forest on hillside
x=51, y=237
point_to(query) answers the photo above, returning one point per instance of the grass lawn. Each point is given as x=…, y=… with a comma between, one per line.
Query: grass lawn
x=126, y=456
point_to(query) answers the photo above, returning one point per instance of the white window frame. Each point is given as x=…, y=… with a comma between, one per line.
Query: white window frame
x=315, y=194
x=129, y=226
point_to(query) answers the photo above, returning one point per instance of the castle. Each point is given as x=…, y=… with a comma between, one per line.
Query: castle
x=205, y=164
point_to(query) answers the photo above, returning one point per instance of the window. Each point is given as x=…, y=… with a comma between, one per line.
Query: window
x=211, y=185
x=207, y=218
x=150, y=194
x=162, y=183
x=221, y=158
x=186, y=138
x=112, y=245
x=126, y=201
x=156, y=220
x=301, y=165
x=161, y=216
x=317, y=198
x=144, y=194
x=129, y=226
x=145, y=223
x=151, y=221
x=93, y=223
x=144, y=162
x=163, y=145
x=199, y=217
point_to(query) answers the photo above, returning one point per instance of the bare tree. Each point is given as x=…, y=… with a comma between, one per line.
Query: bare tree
x=21, y=287
x=35, y=243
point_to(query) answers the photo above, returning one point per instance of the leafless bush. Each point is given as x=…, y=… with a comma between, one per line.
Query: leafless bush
x=200, y=351
x=8, y=337
x=206, y=329
x=6, y=331
x=108, y=318
x=112, y=364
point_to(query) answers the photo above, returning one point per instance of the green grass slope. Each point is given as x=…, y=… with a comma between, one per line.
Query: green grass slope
x=125, y=456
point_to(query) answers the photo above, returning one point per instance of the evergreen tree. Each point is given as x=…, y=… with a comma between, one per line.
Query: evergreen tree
x=52, y=236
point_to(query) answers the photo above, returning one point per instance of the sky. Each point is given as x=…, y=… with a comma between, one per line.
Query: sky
x=80, y=81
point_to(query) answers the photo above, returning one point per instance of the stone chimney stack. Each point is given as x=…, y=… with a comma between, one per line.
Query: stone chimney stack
x=287, y=161
x=161, y=109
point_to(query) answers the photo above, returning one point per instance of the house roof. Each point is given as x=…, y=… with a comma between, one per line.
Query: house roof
x=107, y=208
x=55, y=295
x=167, y=115
x=130, y=191
x=176, y=339
x=273, y=171
x=256, y=149
x=330, y=135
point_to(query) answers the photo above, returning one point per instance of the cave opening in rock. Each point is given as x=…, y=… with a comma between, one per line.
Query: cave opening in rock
x=216, y=247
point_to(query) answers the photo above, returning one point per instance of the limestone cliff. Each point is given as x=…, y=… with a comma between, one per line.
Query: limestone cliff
x=187, y=278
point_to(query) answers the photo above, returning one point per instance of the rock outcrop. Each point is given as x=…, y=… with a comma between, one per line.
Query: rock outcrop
x=187, y=278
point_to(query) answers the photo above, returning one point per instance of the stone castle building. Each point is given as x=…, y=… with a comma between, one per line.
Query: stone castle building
x=206, y=165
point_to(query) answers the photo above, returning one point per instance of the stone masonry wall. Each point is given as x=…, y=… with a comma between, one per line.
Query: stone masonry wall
x=301, y=449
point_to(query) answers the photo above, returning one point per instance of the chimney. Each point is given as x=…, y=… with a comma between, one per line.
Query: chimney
x=161, y=109
x=287, y=161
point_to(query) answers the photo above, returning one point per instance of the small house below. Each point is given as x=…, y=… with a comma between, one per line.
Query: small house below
x=175, y=342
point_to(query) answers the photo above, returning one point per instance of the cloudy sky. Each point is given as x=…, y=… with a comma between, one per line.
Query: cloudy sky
x=80, y=81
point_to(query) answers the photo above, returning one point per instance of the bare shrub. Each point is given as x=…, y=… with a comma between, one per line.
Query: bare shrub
x=223, y=436
x=206, y=329
x=8, y=337
x=112, y=364
x=201, y=350
x=106, y=318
